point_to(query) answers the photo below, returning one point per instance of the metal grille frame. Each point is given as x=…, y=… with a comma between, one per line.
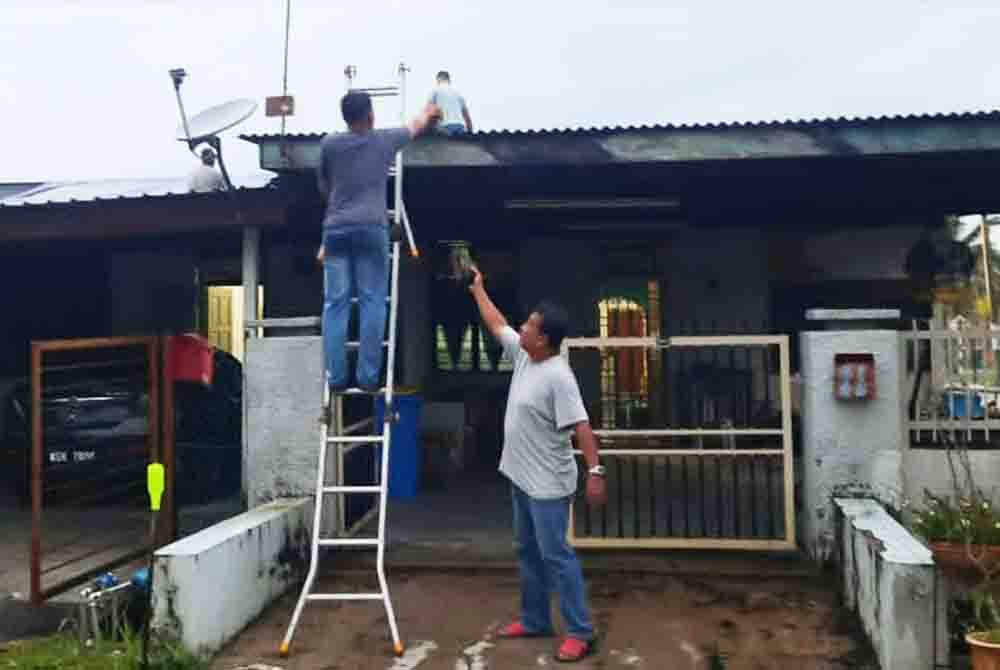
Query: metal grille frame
x=787, y=540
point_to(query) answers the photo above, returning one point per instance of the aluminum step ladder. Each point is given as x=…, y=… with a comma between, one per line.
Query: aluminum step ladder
x=344, y=439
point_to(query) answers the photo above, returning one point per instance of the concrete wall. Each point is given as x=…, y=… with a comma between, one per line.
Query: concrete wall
x=209, y=586
x=928, y=469
x=284, y=387
x=847, y=447
x=888, y=579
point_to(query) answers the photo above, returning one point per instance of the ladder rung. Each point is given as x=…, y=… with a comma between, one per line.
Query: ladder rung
x=349, y=542
x=347, y=439
x=352, y=489
x=356, y=391
x=344, y=596
x=354, y=301
x=354, y=344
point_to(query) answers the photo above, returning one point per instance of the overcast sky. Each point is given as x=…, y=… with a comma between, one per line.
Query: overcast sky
x=84, y=93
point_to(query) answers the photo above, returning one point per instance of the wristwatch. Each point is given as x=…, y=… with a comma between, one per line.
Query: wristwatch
x=596, y=471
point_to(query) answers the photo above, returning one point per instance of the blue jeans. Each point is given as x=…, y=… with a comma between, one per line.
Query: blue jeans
x=548, y=563
x=453, y=129
x=357, y=259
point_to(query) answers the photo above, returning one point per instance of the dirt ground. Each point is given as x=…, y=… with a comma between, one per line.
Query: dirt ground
x=657, y=622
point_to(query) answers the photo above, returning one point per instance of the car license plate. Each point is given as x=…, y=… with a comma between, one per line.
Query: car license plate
x=83, y=456
x=57, y=457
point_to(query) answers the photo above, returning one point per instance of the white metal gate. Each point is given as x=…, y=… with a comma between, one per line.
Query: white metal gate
x=696, y=435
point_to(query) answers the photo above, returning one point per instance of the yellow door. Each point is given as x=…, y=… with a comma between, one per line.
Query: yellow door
x=220, y=317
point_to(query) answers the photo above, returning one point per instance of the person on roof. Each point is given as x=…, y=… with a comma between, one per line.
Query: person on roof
x=205, y=178
x=455, y=119
x=352, y=174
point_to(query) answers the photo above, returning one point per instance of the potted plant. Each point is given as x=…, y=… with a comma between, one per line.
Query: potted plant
x=963, y=532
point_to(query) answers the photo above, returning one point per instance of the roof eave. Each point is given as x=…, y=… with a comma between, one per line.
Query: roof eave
x=912, y=135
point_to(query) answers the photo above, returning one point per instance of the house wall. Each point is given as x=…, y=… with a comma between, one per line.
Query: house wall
x=152, y=291
x=719, y=280
x=929, y=470
x=56, y=292
x=293, y=287
x=860, y=253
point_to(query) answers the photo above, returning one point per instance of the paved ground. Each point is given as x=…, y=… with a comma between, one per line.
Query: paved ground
x=654, y=622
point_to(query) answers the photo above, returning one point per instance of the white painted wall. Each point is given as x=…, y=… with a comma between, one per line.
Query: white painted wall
x=283, y=403
x=847, y=447
x=928, y=469
x=888, y=578
x=210, y=585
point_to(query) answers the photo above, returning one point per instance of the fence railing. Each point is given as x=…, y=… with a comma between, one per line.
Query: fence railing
x=951, y=385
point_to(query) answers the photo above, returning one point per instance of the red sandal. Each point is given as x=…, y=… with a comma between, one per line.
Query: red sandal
x=573, y=650
x=516, y=630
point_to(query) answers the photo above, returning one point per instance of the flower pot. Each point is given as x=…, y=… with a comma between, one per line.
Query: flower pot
x=985, y=655
x=953, y=557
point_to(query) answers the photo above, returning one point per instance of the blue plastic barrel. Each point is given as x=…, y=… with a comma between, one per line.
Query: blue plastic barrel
x=405, y=457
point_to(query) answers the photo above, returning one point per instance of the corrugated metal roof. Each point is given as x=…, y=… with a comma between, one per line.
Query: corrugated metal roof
x=599, y=130
x=91, y=191
x=13, y=188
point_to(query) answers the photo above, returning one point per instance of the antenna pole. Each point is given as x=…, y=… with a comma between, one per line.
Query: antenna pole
x=177, y=76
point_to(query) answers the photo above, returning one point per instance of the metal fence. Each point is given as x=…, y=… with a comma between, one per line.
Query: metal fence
x=950, y=383
x=705, y=459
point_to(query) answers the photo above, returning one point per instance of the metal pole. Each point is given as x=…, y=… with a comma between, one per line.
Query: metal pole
x=284, y=82
x=986, y=269
x=177, y=76
x=36, y=474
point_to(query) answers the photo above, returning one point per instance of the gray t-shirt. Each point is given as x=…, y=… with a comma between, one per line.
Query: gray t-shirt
x=543, y=406
x=450, y=102
x=356, y=167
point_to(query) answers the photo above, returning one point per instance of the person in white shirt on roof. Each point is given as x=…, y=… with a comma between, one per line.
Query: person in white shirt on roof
x=205, y=178
x=455, y=119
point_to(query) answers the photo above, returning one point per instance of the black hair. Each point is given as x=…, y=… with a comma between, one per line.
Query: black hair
x=355, y=106
x=555, y=322
x=443, y=74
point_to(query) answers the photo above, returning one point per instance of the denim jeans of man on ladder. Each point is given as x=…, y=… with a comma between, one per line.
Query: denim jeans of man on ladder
x=355, y=260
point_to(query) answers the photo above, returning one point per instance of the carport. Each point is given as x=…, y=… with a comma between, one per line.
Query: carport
x=106, y=268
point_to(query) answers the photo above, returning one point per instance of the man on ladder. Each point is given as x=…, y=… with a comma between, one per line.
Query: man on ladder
x=355, y=250
x=353, y=171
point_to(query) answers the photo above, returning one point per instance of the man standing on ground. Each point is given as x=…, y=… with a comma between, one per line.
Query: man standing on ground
x=544, y=409
x=352, y=175
x=455, y=119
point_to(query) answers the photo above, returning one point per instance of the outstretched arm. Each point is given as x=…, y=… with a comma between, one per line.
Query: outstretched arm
x=492, y=317
x=422, y=123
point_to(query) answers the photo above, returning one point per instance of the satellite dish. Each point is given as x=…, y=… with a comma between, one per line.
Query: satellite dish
x=214, y=120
